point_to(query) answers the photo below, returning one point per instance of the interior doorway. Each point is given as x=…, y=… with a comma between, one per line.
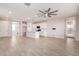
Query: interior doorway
x=15, y=29
x=70, y=27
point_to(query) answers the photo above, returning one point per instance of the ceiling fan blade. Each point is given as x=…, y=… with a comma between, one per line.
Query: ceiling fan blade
x=53, y=14
x=42, y=12
x=49, y=15
x=54, y=11
x=49, y=9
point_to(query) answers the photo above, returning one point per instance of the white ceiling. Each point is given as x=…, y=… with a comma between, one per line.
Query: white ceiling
x=19, y=11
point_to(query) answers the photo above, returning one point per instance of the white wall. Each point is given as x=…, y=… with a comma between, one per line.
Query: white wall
x=46, y=27
x=59, y=24
x=5, y=27
x=77, y=28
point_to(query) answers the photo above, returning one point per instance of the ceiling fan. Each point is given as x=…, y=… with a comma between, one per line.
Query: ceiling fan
x=48, y=13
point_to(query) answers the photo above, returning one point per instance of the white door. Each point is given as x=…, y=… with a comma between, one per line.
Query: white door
x=15, y=29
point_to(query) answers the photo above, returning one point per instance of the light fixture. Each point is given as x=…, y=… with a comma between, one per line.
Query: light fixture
x=27, y=4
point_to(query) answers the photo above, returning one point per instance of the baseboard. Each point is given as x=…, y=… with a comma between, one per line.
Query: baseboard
x=53, y=37
x=5, y=36
x=76, y=39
